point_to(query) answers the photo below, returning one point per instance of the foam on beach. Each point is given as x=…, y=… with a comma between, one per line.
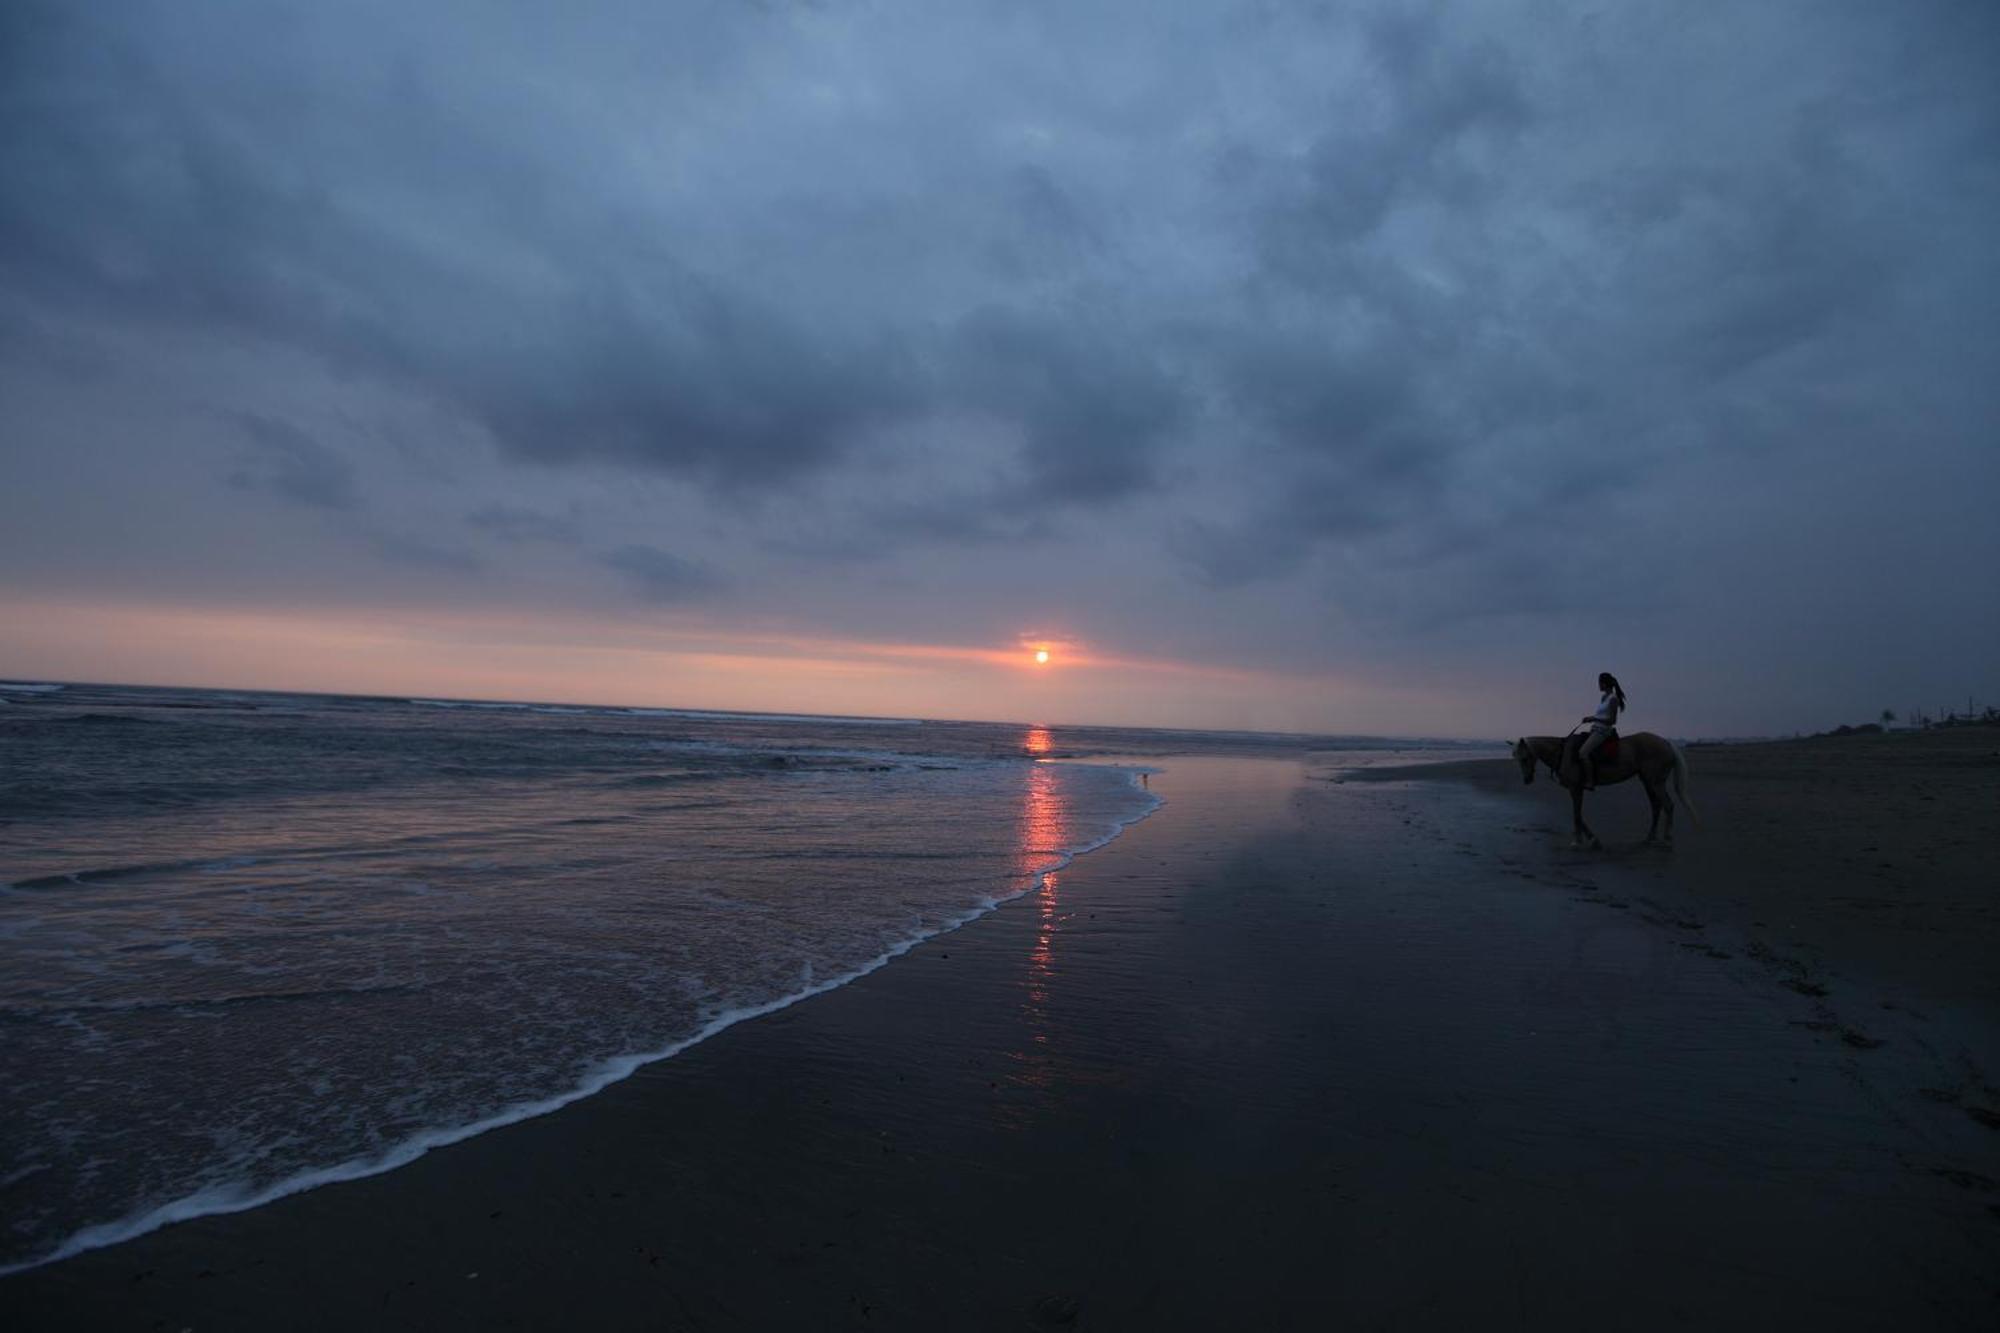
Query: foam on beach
x=561, y=908
x=241, y=1195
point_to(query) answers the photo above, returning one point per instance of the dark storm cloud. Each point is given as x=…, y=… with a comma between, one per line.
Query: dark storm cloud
x=1093, y=407
x=246, y=206
x=127, y=185
x=418, y=553
x=1433, y=106
x=662, y=576
x=1381, y=309
x=1054, y=228
x=1703, y=273
x=511, y=523
x=284, y=461
x=1351, y=443
x=688, y=377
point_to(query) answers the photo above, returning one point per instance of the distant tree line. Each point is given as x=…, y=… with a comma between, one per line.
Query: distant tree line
x=1947, y=716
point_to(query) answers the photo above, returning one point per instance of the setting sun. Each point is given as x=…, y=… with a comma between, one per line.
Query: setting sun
x=1042, y=655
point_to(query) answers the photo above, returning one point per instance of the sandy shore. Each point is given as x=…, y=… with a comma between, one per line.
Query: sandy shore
x=1874, y=855
x=1294, y=1052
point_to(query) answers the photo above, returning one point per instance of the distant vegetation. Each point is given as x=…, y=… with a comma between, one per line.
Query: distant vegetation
x=1919, y=720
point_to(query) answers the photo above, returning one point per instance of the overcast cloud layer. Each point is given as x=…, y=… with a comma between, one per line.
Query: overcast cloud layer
x=1454, y=352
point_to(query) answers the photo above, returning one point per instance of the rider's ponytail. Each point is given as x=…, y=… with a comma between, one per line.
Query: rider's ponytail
x=1616, y=688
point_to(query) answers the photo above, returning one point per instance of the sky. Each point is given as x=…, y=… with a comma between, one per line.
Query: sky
x=1367, y=368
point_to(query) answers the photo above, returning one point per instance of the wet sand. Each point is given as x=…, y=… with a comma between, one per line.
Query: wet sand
x=1293, y=1052
x=1874, y=856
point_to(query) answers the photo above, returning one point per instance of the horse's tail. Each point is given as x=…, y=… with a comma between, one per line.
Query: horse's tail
x=1680, y=783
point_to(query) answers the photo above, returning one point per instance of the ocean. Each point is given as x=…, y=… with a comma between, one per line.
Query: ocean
x=258, y=942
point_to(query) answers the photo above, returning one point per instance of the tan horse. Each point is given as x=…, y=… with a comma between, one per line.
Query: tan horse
x=1654, y=760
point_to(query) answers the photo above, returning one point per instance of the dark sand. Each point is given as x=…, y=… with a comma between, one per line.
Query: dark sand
x=1291, y=1053
x=1879, y=855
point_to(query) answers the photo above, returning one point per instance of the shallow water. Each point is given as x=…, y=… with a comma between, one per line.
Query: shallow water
x=253, y=942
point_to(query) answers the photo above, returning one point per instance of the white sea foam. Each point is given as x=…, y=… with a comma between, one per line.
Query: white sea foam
x=17, y=687
x=241, y=1196
x=531, y=908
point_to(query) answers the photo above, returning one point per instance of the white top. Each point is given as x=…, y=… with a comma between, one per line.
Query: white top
x=1607, y=708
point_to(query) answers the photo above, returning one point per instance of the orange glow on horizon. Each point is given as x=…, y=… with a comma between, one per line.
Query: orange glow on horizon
x=662, y=660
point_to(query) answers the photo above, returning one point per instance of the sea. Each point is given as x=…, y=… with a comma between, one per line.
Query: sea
x=252, y=943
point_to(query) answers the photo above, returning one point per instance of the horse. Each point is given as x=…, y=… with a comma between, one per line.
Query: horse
x=1654, y=760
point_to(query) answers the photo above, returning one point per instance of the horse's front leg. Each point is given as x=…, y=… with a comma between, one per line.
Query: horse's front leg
x=1579, y=830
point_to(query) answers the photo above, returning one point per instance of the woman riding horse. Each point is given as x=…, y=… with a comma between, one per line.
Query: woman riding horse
x=1656, y=761
x=1601, y=723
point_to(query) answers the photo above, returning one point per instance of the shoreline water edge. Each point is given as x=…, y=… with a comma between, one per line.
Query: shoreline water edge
x=530, y=903
x=1256, y=1059
x=611, y=1071
x=258, y=943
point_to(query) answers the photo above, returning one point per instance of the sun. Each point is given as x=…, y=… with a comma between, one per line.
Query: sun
x=1042, y=656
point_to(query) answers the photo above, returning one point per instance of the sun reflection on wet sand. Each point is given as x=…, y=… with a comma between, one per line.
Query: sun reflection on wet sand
x=1041, y=959
x=1044, y=831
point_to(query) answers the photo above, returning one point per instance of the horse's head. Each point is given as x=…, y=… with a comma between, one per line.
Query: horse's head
x=1525, y=757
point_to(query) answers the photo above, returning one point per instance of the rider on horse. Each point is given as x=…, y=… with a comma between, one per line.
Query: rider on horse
x=1601, y=723
x=1656, y=761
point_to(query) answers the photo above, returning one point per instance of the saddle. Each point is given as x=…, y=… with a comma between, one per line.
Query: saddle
x=1603, y=754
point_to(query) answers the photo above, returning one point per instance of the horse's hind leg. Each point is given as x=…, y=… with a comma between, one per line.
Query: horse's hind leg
x=1653, y=799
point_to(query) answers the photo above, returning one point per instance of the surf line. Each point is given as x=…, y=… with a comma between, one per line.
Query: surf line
x=221, y=1200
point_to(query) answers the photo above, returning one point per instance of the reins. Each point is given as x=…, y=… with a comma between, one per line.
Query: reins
x=1555, y=765
x=1555, y=769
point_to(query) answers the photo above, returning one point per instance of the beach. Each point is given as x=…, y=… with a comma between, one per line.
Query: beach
x=1308, y=1045
x=721, y=667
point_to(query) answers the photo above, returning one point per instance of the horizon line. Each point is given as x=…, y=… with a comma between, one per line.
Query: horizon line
x=419, y=699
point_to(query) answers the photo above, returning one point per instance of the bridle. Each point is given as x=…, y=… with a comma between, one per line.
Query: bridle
x=1542, y=761
x=1535, y=760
